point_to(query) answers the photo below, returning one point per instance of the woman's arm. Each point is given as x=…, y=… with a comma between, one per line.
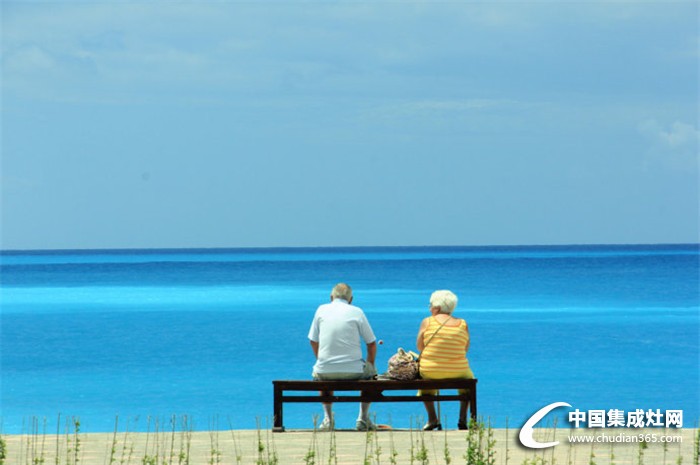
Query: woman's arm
x=466, y=328
x=420, y=343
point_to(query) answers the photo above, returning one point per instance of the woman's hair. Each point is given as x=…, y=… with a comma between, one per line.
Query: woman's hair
x=446, y=301
x=342, y=291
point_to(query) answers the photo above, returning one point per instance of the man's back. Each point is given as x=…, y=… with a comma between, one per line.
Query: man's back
x=340, y=329
x=336, y=336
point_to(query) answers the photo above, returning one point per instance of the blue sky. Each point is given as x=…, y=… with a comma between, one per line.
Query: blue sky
x=228, y=124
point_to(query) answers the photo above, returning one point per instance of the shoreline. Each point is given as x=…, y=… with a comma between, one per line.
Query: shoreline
x=343, y=447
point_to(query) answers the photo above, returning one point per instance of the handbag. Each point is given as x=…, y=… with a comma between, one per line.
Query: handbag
x=405, y=366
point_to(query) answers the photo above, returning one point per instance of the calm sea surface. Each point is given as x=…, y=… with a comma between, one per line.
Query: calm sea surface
x=202, y=333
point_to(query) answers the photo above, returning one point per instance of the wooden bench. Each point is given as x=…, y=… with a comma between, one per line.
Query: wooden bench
x=370, y=391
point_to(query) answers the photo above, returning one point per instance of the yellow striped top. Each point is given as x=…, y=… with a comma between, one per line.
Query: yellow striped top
x=446, y=351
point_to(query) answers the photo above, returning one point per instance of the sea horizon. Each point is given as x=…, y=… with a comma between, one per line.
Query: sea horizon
x=349, y=247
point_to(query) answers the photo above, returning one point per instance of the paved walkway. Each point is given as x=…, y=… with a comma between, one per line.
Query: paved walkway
x=342, y=447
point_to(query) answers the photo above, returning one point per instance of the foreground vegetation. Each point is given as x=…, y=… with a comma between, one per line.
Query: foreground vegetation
x=173, y=441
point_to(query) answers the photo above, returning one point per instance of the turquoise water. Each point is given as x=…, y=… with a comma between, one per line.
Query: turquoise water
x=203, y=333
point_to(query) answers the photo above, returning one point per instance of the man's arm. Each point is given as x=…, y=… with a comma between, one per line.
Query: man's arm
x=371, y=352
x=314, y=347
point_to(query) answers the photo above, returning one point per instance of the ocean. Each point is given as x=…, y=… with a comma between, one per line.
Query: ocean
x=145, y=335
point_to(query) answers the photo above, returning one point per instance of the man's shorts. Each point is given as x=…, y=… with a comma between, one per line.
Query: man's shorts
x=369, y=373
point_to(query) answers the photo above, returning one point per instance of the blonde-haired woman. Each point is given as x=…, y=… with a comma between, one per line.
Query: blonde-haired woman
x=443, y=342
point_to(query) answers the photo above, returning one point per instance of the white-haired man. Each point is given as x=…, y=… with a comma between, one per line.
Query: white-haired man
x=336, y=335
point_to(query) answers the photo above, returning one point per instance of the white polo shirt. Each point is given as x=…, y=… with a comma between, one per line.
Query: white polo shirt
x=340, y=328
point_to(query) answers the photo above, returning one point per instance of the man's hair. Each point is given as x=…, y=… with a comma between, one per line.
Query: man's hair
x=342, y=291
x=445, y=300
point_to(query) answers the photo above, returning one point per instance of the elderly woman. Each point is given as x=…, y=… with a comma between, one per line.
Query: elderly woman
x=443, y=342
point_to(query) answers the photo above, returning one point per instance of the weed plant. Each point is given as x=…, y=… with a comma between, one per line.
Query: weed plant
x=446, y=451
x=612, y=453
x=394, y=453
x=185, y=441
x=214, y=451
x=507, y=455
x=310, y=457
x=115, y=442
x=332, y=449
x=481, y=445
x=422, y=450
x=73, y=441
x=367, y=460
x=640, y=455
x=3, y=450
x=236, y=450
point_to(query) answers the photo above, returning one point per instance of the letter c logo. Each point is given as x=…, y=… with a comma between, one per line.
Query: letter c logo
x=526, y=431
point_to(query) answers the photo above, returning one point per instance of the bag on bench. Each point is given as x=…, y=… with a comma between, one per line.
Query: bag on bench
x=403, y=365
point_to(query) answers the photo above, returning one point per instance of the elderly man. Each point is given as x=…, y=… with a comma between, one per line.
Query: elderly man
x=336, y=335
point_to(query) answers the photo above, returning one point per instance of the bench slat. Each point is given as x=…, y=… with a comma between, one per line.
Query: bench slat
x=300, y=399
x=357, y=385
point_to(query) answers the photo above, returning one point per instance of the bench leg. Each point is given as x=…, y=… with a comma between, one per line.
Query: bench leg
x=472, y=402
x=278, y=424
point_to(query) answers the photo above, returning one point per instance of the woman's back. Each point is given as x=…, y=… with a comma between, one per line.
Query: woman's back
x=446, y=347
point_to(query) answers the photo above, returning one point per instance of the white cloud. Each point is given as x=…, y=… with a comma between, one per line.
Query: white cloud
x=676, y=142
x=28, y=59
x=676, y=136
x=680, y=135
x=436, y=106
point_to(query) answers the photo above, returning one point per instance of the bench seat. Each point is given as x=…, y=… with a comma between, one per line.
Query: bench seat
x=369, y=391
